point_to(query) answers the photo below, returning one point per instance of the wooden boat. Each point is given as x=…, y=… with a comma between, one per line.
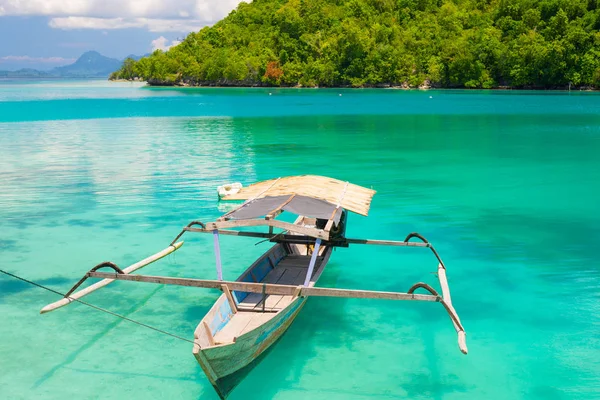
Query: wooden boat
x=255, y=310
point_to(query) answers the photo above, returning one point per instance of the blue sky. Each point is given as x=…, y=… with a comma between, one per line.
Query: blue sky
x=44, y=34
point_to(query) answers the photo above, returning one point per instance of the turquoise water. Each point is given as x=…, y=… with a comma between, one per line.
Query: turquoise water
x=505, y=184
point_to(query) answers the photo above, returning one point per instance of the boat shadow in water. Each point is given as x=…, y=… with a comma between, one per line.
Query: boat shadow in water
x=12, y=287
x=435, y=384
x=283, y=364
x=283, y=369
x=289, y=356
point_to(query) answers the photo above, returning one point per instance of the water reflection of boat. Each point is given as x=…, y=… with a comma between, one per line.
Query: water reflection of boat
x=226, y=206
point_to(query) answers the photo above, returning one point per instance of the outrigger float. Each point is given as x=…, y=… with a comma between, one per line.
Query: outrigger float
x=257, y=308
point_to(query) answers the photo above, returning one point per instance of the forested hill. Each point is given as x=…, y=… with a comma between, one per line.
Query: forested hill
x=459, y=43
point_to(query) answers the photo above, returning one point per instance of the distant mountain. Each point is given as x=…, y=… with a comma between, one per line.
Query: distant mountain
x=25, y=73
x=91, y=64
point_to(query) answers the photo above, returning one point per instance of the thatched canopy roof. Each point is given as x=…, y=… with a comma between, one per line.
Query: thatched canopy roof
x=349, y=196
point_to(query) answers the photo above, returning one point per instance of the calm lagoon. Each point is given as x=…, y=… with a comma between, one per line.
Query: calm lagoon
x=506, y=184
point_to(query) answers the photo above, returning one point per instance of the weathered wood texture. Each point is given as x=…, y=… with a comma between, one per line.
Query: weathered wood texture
x=354, y=198
x=240, y=340
x=229, y=298
x=225, y=360
x=444, y=284
x=329, y=224
x=83, y=292
x=242, y=322
x=313, y=232
x=211, y=339
x=292, y=271
x=201, y=283
x=365, y=294
x=462, y=340
x=201, y=337
x=276, y=289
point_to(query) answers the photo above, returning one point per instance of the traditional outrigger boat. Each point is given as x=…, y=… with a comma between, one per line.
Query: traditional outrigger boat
x=256, y=309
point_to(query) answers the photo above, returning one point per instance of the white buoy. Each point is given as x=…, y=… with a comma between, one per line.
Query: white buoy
x=431, y=97
x=228, y=189
x=270, y=94
x=340, y=95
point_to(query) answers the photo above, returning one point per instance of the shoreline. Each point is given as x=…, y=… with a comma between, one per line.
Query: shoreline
x=379, y=86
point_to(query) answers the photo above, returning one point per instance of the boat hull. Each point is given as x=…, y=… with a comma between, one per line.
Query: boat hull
x=227, y=365
x=238, y=330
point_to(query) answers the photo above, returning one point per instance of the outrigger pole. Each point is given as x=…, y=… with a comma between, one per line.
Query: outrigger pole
x=70, y=296
x=303, y=291
x=275, y=289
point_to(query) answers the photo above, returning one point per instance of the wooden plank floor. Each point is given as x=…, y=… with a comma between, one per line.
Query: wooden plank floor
x=239, y=324
x=290, y=271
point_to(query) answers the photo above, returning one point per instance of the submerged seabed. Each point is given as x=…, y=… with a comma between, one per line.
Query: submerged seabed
x=505, y=184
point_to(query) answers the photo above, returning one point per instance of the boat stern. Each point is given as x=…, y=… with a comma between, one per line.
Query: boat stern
x=227, y=362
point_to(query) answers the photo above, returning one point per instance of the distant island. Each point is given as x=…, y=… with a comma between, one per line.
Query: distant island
x=370, y=43
x=90, y=65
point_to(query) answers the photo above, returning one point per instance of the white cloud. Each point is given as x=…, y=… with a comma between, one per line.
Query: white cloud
x=45, y=60
x=154, y=15
x=151, y=24
x=162, y=43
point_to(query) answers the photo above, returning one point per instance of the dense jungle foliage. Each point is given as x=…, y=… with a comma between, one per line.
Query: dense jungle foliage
x=449, y=43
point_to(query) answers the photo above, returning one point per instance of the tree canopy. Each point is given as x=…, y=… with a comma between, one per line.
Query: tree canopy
x=449, y=43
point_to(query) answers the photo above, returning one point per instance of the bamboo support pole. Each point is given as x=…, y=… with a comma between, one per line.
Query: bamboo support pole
x=272, y=214
x=219, y=225
x=365, y=294
x=209, y=335
x=329, y=224
x=462, y=339
x=386, y=242
x=270, y=289
x=231, y=232
x=84, y=292
x=313, y=260
x=444, y=283
x=230, y=299
x=201, y=283
x=218, y=255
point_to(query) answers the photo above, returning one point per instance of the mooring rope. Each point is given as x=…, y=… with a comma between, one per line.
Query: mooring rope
x=99, y=308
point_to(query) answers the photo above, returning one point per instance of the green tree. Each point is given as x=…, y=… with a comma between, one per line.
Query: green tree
x=453, y=43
